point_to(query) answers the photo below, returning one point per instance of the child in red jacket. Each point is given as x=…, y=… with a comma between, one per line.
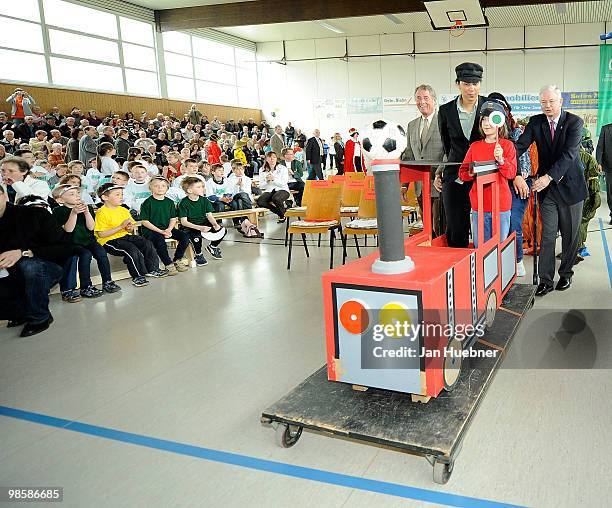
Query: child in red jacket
x=494, y=146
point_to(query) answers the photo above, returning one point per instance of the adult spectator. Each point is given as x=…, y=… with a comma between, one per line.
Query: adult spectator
x=425, y=143
x=158, y=122
x=83, y=122
x=21, y=105
x=168, y=129
x=151, y=130
x=55, y=136
x=10, y=142
x=187, y=133
x=5, y=123
x=215, y=124
x=55, y=113
x=300, y=138
x=122, y=144
x=560, y=185
x=296, y=174
x=289, y=134
x=49, y=124
x=108, y=136
x=314, y=156
x=339, y=152
x=604, y=159
x=88, y=145
x=459, y=126
x=277, y=141
x=19, y=183
x=161, y=140
x=38, y=115
x=76, y=114
x=67, y=126
x=143, y=141
x=27, y=155
x=26, y=130
x=92, y=118
x=33, y=249
x=72, y=147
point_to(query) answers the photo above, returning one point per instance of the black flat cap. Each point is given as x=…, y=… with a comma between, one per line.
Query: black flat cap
x=469, y=72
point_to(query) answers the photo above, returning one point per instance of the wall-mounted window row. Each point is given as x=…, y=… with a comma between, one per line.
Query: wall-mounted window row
x=89, y=49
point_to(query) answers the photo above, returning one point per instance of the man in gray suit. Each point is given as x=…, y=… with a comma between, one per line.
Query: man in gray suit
x=604, y=159
x=88, y=145
x=277, y=141
x=425, y=143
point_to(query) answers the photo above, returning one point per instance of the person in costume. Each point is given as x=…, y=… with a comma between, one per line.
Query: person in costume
x=353, y=153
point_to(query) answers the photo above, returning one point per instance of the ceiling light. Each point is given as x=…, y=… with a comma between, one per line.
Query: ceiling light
x=331, y=27
x=394, y=19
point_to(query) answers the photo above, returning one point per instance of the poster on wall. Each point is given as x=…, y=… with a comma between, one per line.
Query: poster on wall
x=605, y=86
x=365, y=106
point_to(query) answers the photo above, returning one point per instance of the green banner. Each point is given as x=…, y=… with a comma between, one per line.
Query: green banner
x=604, y=115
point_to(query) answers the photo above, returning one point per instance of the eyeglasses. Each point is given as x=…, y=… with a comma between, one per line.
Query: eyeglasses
x=549, y=103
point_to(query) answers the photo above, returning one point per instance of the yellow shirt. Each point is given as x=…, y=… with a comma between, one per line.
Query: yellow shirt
x=110, y=218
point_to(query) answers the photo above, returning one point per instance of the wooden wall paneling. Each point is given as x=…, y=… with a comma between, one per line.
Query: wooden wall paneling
x=104, y=102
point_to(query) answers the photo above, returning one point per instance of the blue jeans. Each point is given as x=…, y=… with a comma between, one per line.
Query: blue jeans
x=516, y=218
x=504, y=226
x=94, y=250
x=39, y=277
x=68, y=280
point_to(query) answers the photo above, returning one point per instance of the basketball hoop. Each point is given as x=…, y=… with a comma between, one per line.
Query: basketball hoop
x=457, y=30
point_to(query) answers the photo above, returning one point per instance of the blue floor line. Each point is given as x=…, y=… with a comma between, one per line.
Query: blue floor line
x=606, y=250
x=306, y=473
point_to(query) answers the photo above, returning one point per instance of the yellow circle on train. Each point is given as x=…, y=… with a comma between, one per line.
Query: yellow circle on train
x=393, y=313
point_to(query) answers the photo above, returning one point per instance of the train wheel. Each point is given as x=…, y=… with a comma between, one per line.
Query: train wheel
x=491, y=309
x=452, y=363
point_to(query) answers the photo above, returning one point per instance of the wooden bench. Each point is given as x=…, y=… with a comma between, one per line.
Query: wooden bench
x=253, y=214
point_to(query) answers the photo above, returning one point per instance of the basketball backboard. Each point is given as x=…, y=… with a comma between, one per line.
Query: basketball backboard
x=445, y=14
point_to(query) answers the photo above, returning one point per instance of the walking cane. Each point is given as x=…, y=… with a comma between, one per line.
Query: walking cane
x=535, y=238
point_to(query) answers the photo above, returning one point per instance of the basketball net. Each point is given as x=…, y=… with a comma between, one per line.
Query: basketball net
x=458, y=29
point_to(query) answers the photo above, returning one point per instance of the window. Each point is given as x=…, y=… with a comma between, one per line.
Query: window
x=82, y=19
x=247, y=78
x=136, y=31
x=180, y=88
x=18, y=66
x=177, y=43
x=141, y=82
x=93, y=76
x=81, y=46
x=245, y=59
x=211, y=71
x=214, y=93
x=178, y=65
x=21, y=35
x=139, y=57
x=210, y=50
x=22, y=9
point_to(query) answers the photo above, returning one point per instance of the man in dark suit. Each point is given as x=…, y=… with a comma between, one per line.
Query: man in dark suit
x=560, y=184
x=604, y=159
x=314, y=156
x=459, y=124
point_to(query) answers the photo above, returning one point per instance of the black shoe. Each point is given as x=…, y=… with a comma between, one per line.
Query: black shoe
x=29, y=330
x=13, y=323
x=543, y=289
x=564, y=283
x=578, y=259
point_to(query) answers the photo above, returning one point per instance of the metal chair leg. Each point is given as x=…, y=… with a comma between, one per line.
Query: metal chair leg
x=332, y=236
x=289, y=253
x=305, y=246
x=286, y=230
x=357, y=245
x=319, y=244
x=343, y=238
x=365, y=241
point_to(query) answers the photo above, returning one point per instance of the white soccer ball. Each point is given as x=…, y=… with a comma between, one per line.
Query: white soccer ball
x=384, y=140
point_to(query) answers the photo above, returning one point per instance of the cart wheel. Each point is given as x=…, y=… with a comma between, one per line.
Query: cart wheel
x=491, y=309
x=287, y=435
x=452, y=364
x=442, y=471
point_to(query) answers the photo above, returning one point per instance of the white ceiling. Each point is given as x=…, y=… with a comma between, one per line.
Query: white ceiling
x=525, y=15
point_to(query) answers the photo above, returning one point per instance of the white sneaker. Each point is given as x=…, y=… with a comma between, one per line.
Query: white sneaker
x=520, y=269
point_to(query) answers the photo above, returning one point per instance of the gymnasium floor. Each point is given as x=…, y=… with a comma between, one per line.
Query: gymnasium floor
x=164, y=381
